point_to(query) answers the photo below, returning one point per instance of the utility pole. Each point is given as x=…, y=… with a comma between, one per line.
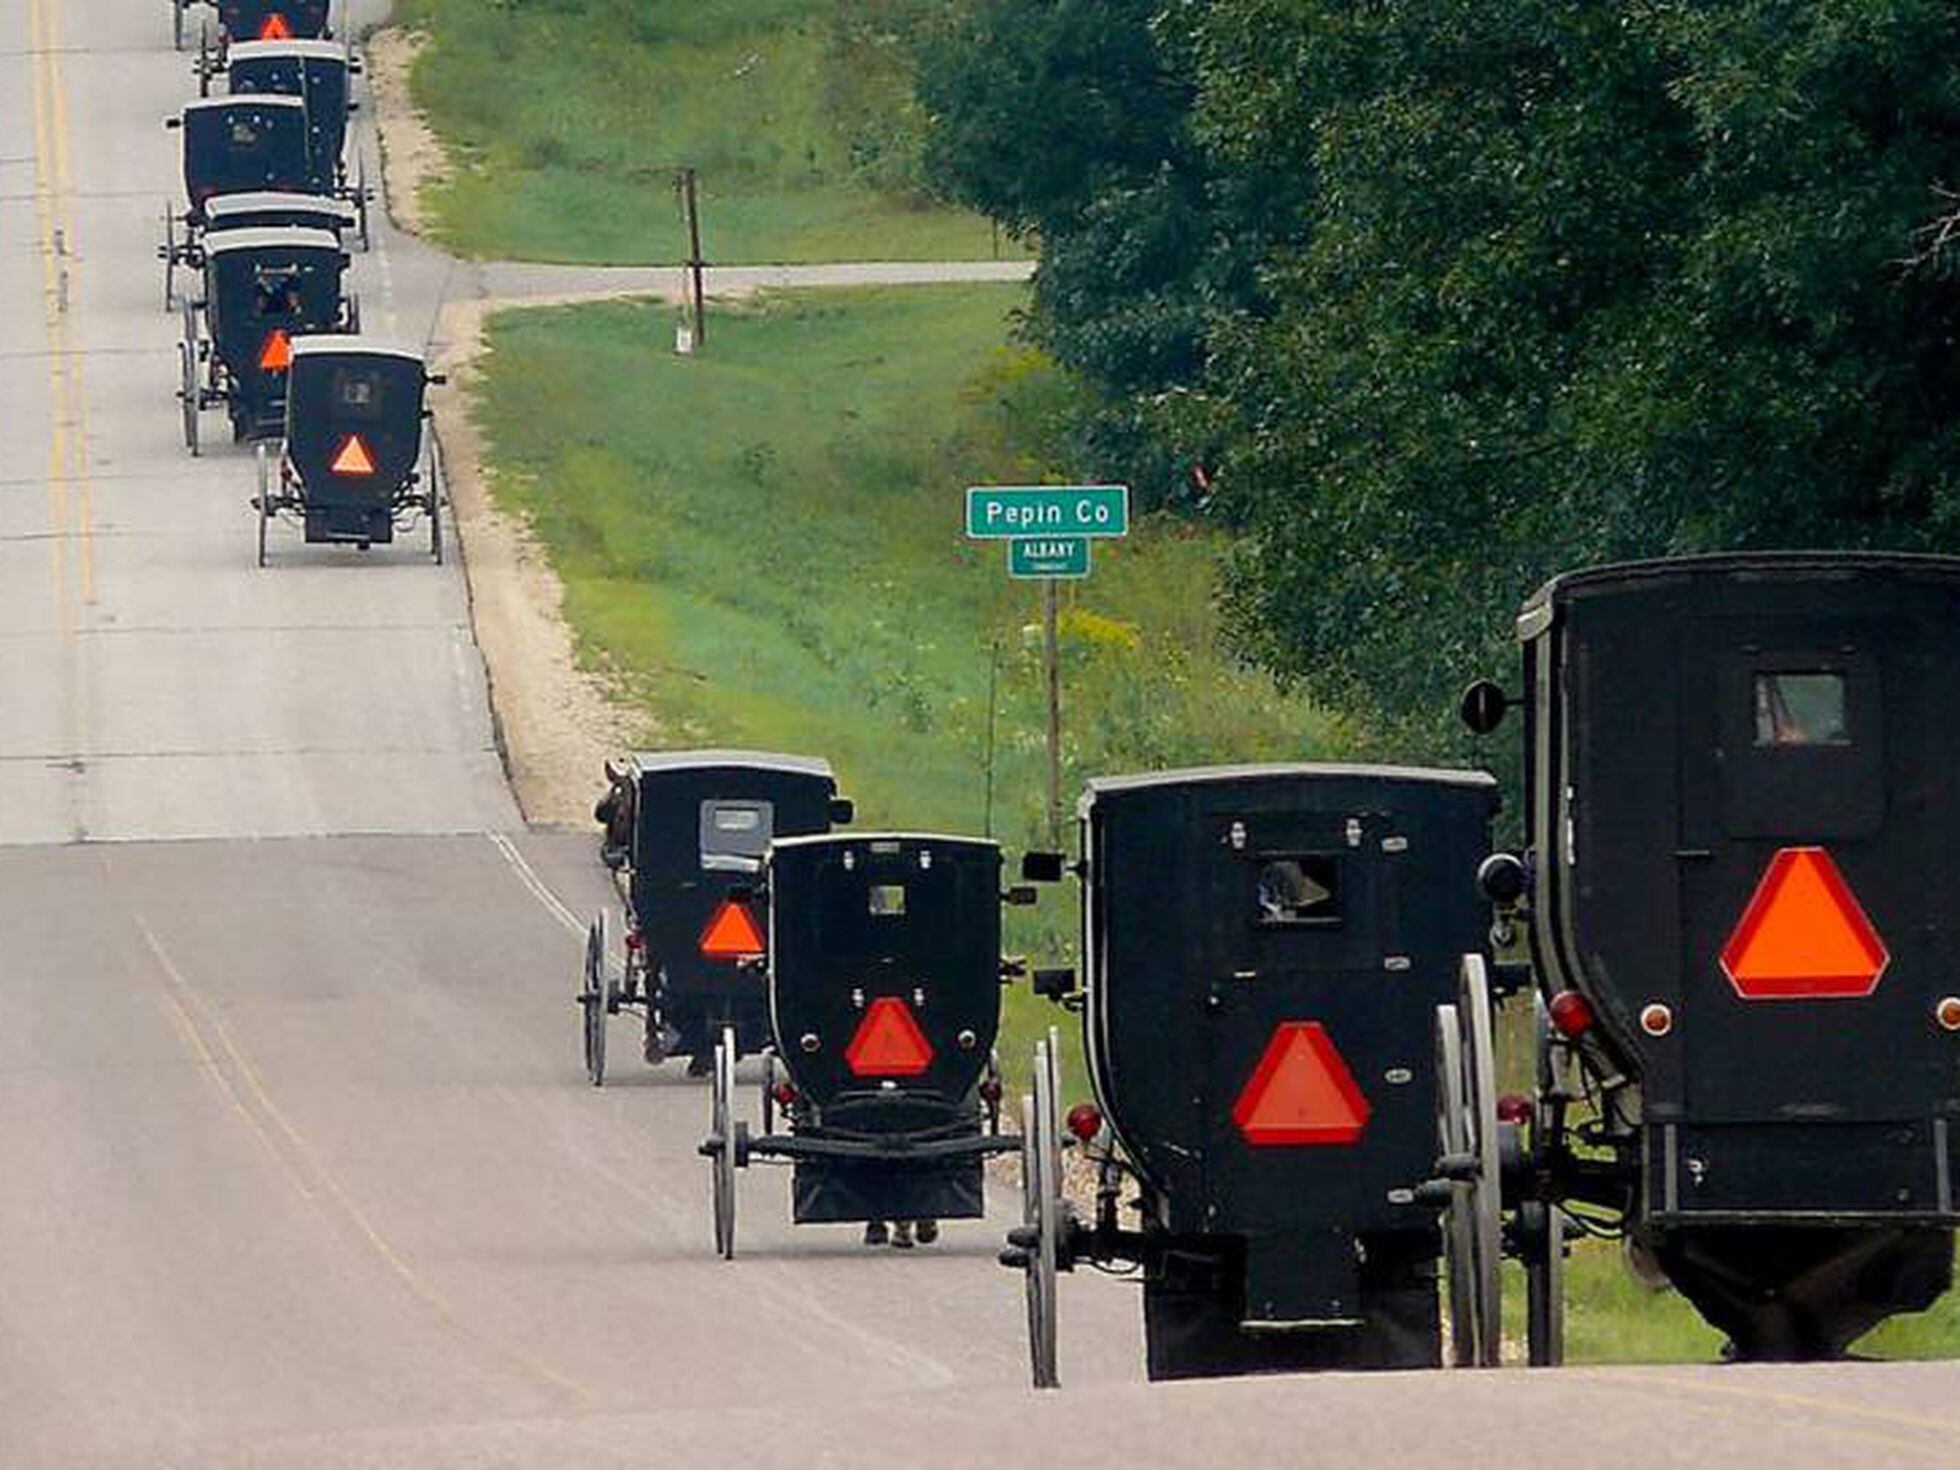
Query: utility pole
x=691, y=213
x=1051, y=642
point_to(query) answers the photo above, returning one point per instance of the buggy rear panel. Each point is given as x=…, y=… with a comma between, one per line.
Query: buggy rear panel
x=236, y=144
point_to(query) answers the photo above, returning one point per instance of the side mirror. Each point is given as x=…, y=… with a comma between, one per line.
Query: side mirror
x=1482, y=707
x=1503, y=878
x=1020, y=896
x=1043, y=867
x=436, y=380
x=843, y=811
x=1055, y=985
x=173, y=122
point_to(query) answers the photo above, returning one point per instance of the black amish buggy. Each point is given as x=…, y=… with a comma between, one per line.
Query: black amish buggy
x=252, y=209
x=235, y=145
x=257, y=20
x=686, y=831
x=885, y=971
x=1741, y=799
x=355, y=466
x=1263, y=950
x=262, y=289
x=320, y=74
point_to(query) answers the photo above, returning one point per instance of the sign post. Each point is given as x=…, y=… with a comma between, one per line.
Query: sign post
x=1048, y=529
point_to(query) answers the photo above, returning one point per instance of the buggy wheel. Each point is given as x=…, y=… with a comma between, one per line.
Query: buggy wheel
x=769, y=1074
x=187, y=392
x=592, y=1000
x=361, y=201
x=1452, y=1140
x=353, y=313
x=177, y=8
x=1544, y=1234
x=1486, y=1188
x=434, y=504
x=722, y=1158
x=263, y=500
x=1042, y=1206
x=169, y=254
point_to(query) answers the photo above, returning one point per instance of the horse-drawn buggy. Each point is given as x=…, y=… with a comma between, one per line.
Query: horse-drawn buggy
x=686, y=832
x=320, y=74
x=256, y=20
x=235, y=145
x=880, y=1086
x=1263, y=950
x=262, y=289
x=355, y=466
x=1741, y=797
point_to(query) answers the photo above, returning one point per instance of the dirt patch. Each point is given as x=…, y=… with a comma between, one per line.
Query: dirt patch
x=411, y=155
x=555, y=719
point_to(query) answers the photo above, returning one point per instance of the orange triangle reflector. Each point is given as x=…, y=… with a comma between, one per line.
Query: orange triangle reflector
x=889, y=1042
x=732, y=934
x=1301, y=1092
x=277, y=354
x=275, y=28
x=1804, y=935
x=353, y=458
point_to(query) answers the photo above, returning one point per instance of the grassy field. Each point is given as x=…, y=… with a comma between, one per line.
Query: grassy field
x=566, y=120
x=761, y=545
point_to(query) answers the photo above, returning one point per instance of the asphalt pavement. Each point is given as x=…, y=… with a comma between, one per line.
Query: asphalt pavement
x=297, y=1164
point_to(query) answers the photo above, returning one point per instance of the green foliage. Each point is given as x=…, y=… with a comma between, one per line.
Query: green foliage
x=567, y=118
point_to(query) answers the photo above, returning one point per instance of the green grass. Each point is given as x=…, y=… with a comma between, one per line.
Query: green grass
x=565, y=120
x=761, y=545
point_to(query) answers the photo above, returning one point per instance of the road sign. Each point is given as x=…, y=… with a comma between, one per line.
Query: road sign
x=1804, y=935
x=1000, y=512
x=1048, y=556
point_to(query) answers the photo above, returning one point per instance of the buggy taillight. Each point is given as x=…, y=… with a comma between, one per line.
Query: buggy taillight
x=1085, y=1120
x=1571, y=1013
x=785, y=1094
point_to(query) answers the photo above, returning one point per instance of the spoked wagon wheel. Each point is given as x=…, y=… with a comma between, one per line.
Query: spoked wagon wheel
x=592, y=1000
x=1452, y=1139
x=187, y=391
x=769, y=1076
x=263, y=500
x=1542, y=1224
x=1041, y=1194
x=1486, y=1188
x=434, y=502
x=169, y=254
x=722, y=1159
x=361, y=202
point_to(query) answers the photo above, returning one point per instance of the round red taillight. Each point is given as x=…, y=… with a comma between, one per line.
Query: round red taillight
x=1947, y=1013
x=1571, y=1013
x=990, y=1090
x=1656, y=1019
x=784, y=1093
x=1514, y=1108
x=1085, y=1121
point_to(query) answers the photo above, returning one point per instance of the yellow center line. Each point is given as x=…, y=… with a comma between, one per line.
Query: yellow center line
x=45, y=186
x=78, y=440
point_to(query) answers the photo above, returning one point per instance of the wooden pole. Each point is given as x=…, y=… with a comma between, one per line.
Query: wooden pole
x=1052, y=647
x=691, y=208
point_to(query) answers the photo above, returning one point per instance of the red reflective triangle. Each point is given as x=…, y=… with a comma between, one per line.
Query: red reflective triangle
x=889, y=1042
x=353, y=458
x=731, y=934
x=275, y=28
x=1301, y=1092
x=1804, y=935
x=277, y=354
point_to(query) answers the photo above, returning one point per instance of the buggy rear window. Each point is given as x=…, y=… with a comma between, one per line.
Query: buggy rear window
x=360, y=393
x=735, y=834
x=1801, y=707
x=887, y=900
x=1298, y=890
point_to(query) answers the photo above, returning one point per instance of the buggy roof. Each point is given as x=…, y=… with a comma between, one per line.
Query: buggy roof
x=858, y=839
x=763, y=760
x=282, y=237
x=1320, y=770
x=273, y=50
x=275, y=100
x=334, y=344
x=251, y=201
x=1734, y=563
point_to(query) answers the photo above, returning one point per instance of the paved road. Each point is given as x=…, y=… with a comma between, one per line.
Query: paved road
x=295, y=1168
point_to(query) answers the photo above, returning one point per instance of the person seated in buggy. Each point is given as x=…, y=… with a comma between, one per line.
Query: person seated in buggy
x=355, y=465
x=262, y=288
x=1263, y=948
x=884, y=971
x=685, y=830
x=319, y=74
x=235, y=145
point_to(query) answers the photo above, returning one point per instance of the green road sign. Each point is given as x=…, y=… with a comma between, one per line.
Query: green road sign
x=1009, y=511
x=1048, y=556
